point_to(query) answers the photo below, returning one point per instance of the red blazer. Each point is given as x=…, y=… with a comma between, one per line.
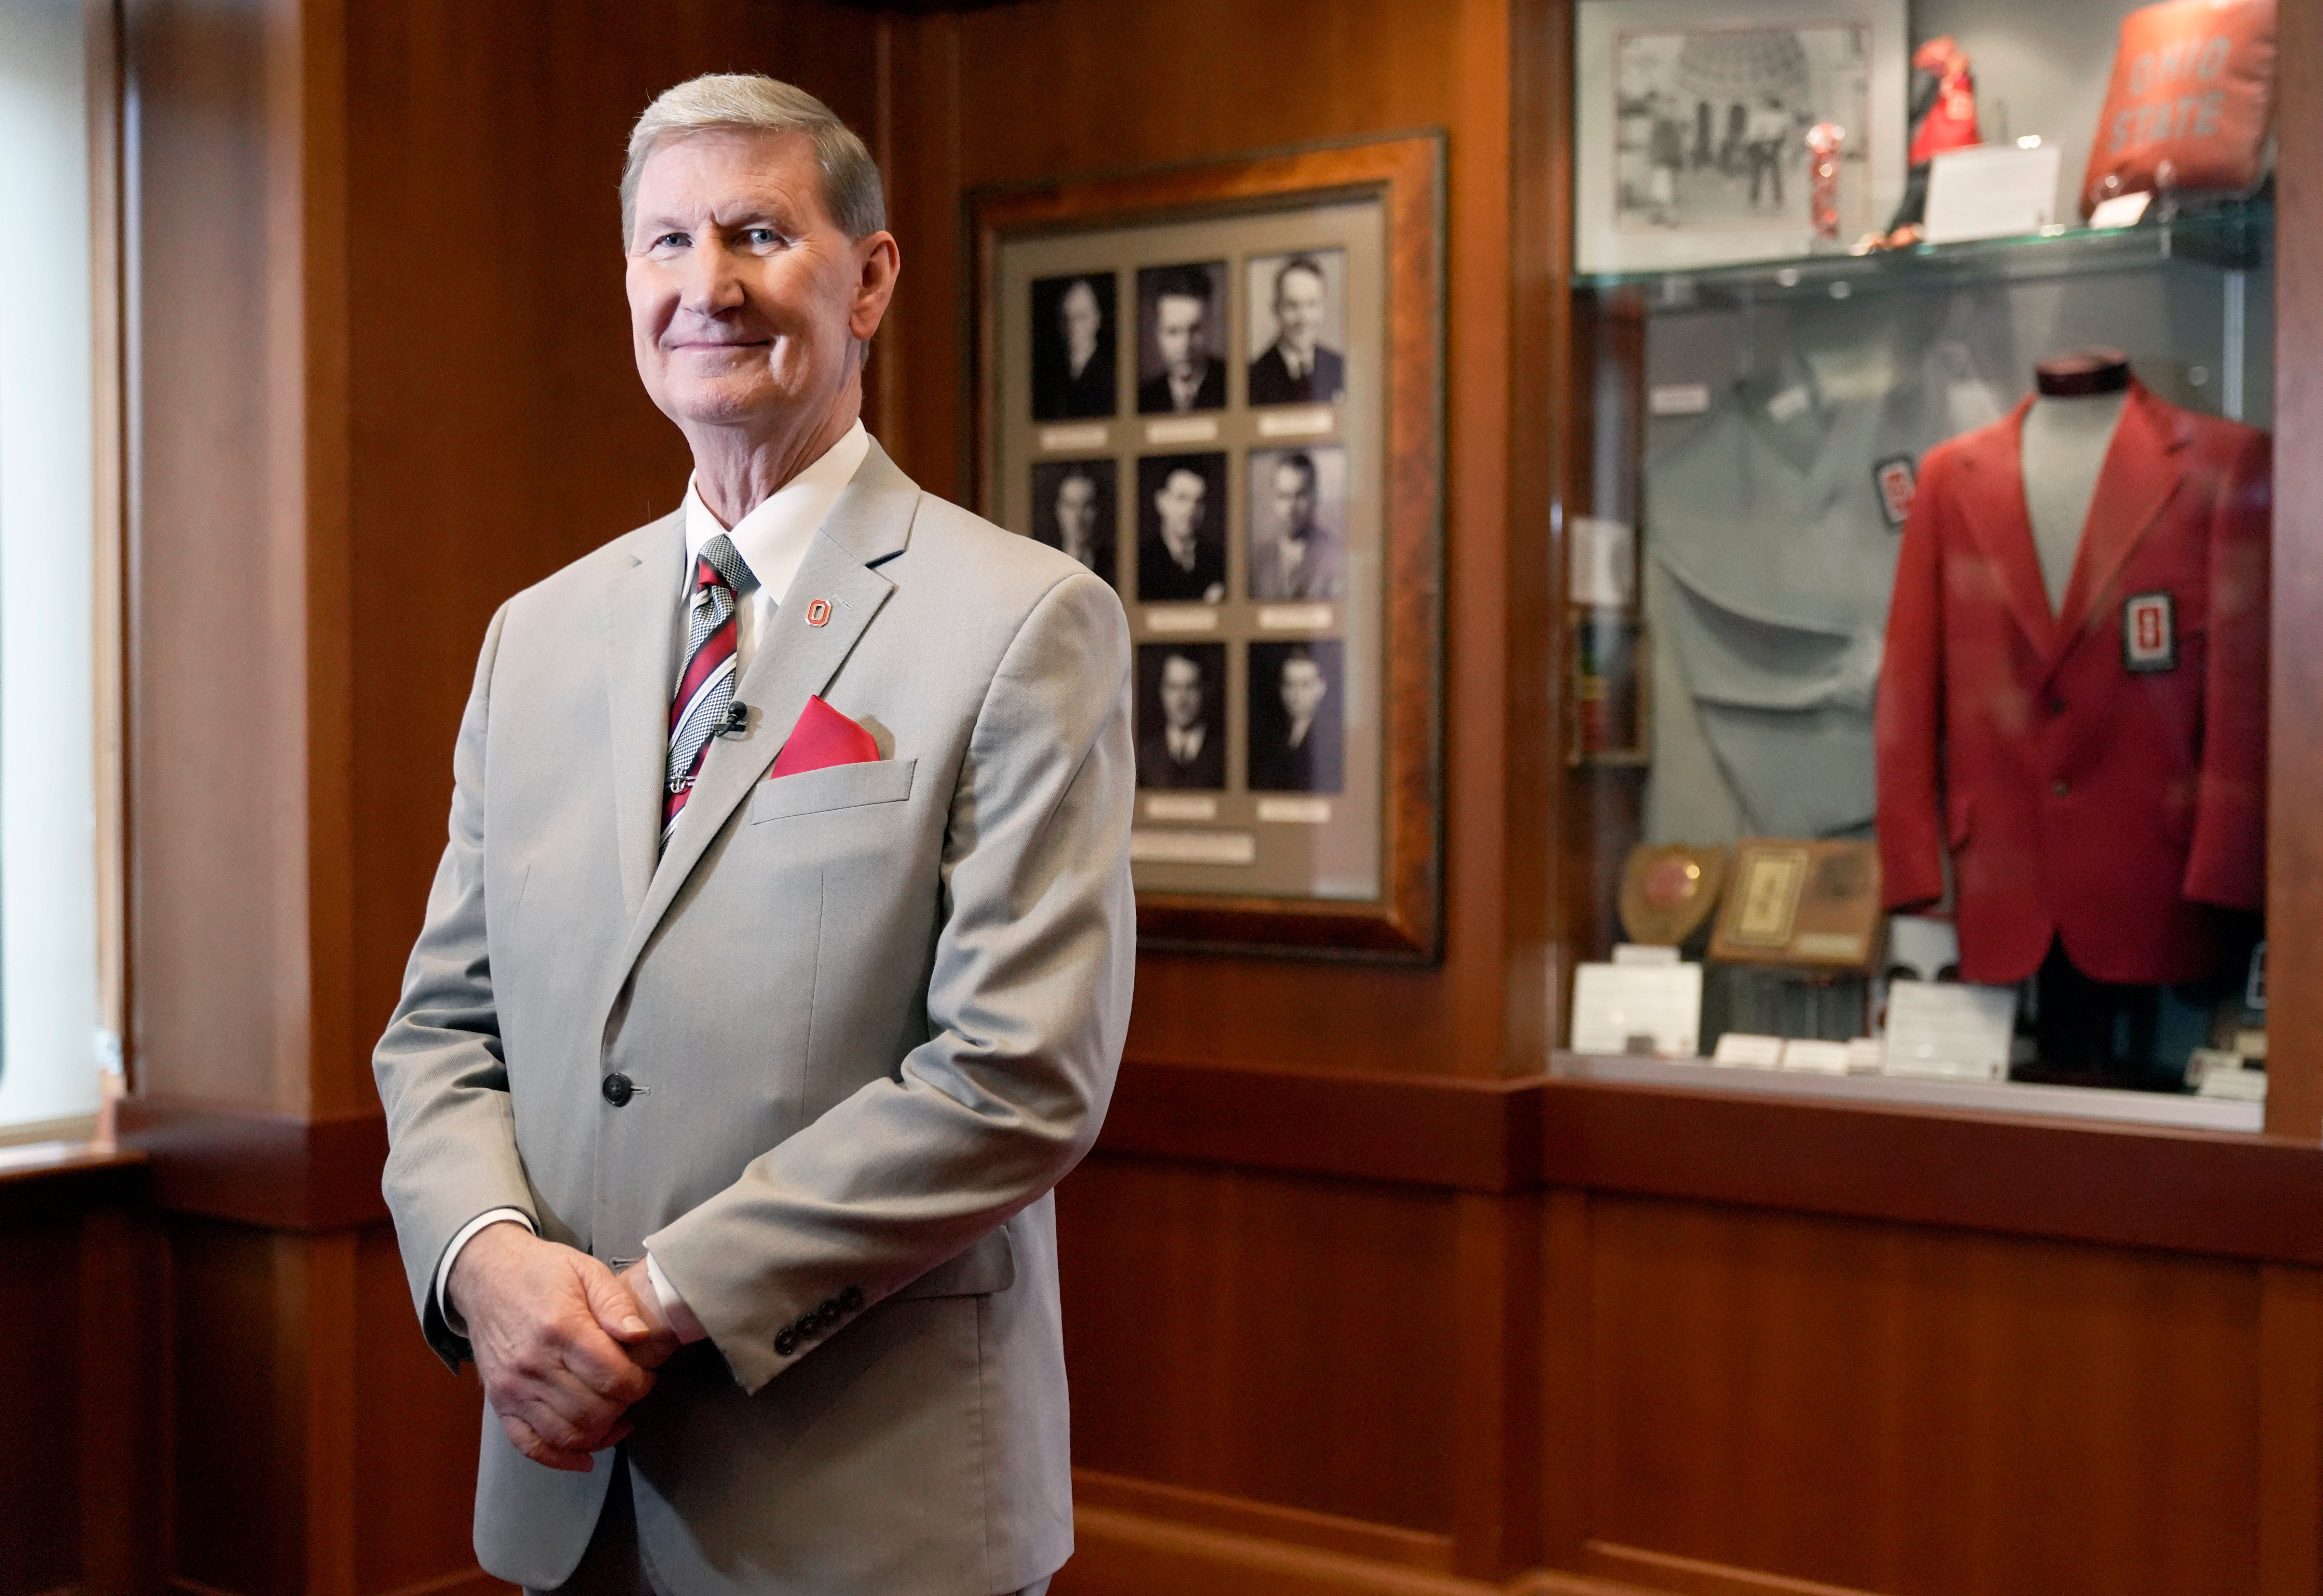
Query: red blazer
x=2098, y=777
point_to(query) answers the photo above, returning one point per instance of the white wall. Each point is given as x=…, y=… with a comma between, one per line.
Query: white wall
x=48, y=1011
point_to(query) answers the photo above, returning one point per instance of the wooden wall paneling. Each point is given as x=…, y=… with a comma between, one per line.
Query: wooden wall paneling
x=217, y=725
x=498, y=428
x=2294, y=827
x=1912, y=1412
x=40, y=1471
x=1143, y=84
x=119, y=1310
x=1286, y=1340
x=101, y=19
x=1565, y=1407
x=2291, y=1432
x=1496, y=1466
x=1539, y=357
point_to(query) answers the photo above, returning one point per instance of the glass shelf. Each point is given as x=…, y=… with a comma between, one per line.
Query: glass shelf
x=2235, y=238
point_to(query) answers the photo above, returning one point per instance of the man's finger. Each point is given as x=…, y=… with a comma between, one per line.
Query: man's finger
x=527, y=1441
x=614, y=1308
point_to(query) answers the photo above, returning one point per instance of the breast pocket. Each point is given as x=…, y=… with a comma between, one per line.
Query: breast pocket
x=837, y=786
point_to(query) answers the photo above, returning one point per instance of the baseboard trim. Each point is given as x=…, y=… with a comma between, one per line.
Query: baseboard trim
x=1266, y=1521
x=1122, y=1553
x=1691, y=1576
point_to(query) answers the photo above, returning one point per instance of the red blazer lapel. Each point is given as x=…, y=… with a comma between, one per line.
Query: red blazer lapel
x=2142, y=468
x=1994, y=509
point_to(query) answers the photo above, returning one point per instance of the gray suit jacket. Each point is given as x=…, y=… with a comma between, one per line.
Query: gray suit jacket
x=873, y=1013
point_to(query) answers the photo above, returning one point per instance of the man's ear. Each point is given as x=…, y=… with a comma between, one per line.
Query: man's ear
x=878, y=262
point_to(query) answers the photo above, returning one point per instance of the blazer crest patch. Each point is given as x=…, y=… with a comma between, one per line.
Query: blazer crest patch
x=2148, y=633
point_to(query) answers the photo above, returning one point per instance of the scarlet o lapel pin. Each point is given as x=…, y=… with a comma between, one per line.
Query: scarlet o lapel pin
x=818, y=612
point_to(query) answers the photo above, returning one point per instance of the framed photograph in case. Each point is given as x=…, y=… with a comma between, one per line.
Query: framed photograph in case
x=1691, y=120
x=1270, y=468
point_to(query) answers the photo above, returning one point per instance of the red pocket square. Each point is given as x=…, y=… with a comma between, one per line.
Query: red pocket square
x=823, y=736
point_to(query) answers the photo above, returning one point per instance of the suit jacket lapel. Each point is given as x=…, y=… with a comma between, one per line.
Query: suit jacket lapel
x=2142, y=468
x=1994, y=509
x=870, y=522
x=639, y=606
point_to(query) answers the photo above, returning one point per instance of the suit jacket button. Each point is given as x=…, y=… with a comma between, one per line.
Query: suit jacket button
x=785, y=1345
x=2056, y=706
x=851, y=1300
x=618, y=1089
x=2059, y=788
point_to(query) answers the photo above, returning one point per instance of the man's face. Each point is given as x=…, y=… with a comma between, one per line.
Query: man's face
x=1298, y=308
x=1294, y=500
x=1079, y=317
x=1077, y=512
x=746, y=302
x=1180, y=328
x=1179, y=505
x=1303, y=688
x=1181, y=692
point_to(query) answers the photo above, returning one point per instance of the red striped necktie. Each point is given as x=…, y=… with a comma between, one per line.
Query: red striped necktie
x=706, y=686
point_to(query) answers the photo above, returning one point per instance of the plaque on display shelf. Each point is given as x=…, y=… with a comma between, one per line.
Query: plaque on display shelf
x=1806, y=904
x=1669, y=889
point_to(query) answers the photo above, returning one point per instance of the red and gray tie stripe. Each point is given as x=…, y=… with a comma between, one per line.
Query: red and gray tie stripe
x=706, y=686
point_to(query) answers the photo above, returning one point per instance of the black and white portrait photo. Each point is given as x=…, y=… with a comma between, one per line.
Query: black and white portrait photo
x=1073, y=510
x=1072, y=346
x=1297, y=742
x=1181, y=321
x=1299, y=328
x=1181, y=529
x=1181, y=723
x=1298, y=524
x=1713, y=122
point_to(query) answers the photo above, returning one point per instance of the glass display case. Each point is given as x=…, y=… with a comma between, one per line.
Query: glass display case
x=1917, y=577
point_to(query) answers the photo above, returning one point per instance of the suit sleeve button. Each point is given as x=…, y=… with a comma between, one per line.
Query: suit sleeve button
x=851, y=1300
x=785, y=1345
x=827, y=1315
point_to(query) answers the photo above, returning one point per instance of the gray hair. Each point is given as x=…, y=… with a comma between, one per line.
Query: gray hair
x=750, y=102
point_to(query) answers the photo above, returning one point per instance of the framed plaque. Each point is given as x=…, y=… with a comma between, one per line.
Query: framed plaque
x=1219, y=388
x=1811, y=905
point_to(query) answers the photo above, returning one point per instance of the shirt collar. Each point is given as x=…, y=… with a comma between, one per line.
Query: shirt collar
x=773, y=538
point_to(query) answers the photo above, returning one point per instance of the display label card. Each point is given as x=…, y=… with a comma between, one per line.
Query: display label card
x=1182, y=617
x=1295, y=617
x=1816, y=1057
x=1679, y=399
x=1193, y=848
x=1295, y=811
x=1180, y=806
x=1643, y=953
x=1946, y=1029
x=1991, y=191
x=1092, y=436
x=1603, y=567
x=1187, y=429
x=1740, y=1050
x=1297, y=424
x=2123, y=210
x=1637, y=1008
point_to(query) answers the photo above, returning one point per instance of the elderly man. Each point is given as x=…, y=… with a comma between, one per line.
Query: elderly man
x=779, y=960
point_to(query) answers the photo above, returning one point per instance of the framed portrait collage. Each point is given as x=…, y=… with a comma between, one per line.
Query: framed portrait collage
x=1219, y=389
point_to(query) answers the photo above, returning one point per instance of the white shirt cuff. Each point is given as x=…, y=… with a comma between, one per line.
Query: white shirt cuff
x=451, y=1319
x=673, y=1307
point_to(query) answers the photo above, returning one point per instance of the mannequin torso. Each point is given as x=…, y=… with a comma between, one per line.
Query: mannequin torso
x=2063, y=452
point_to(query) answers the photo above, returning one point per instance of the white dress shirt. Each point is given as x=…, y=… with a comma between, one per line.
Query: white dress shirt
x=772, y=540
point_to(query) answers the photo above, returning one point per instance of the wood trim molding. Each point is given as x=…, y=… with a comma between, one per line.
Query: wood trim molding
x=2256, y=1197
x=1122, y=1553
x=44, y=1179
x=1690, y=1576
x=258, y=1166
x=1236, y=1515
